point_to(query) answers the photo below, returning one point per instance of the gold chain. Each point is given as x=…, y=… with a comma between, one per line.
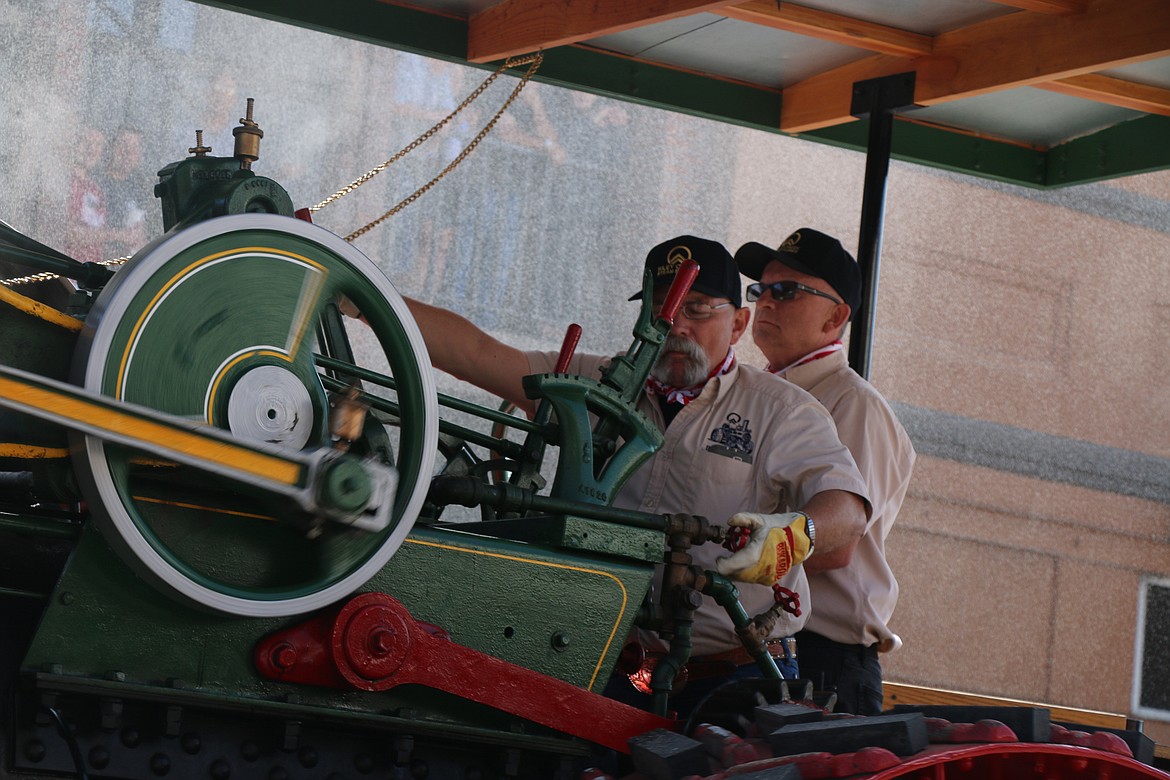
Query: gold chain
x=532, y=60
x=45, y=276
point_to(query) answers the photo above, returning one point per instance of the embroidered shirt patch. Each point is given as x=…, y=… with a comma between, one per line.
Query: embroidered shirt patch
x=732, y=439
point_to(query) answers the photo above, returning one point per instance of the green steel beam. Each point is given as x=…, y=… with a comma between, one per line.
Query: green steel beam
x=584, y=68
x=370, y=21
x=1138, y=146
x=938, y=148
x=1135, y=147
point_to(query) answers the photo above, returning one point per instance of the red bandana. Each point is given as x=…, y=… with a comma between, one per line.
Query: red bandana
x=684, y=395
x=816, y=354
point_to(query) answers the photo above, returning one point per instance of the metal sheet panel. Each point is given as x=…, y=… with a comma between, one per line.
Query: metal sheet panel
x=731, y=49
x=1026, y=115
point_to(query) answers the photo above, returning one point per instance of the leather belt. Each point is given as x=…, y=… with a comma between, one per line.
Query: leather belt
x=705, y=666
x=781, y=649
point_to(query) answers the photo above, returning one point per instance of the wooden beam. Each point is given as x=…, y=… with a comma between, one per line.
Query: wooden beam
x=513, y=27
x=1014, y=50
x=901, y=693
x=1105, y=89
x=1046, y=6
x=831, y=27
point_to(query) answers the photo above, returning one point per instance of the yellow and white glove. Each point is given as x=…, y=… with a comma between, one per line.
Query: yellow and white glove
x=776, y=544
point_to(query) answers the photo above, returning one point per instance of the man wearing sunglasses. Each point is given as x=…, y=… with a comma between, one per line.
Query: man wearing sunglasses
x=740, y=447
x=806, y=292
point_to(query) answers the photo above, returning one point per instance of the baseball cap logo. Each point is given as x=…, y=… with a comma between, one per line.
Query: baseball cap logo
x=674, y=259
x=791, y=244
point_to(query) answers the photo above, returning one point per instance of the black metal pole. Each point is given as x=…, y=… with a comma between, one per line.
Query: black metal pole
x=869, y=239
x=876, y=98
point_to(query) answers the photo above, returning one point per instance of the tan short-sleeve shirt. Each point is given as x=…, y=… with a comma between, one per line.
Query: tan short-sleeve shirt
x=748, y=443
x=854, y=603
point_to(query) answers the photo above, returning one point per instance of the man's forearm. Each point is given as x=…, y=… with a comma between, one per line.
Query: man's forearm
x=460, y=348
x=839, y=517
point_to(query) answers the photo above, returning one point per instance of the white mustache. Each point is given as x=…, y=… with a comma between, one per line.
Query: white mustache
x=696, y=361
x=686, y=346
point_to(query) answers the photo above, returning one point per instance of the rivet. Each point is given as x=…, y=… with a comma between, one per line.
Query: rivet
x=34, y=750
x=160, y=764
x=99, y=757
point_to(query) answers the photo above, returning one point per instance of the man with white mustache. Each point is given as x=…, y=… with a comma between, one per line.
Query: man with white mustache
x=741, y=448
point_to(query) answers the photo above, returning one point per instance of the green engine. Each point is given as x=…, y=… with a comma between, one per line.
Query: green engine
x=224, y=470
x=242, y=490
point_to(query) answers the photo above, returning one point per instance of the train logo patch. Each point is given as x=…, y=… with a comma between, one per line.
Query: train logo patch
x=732, y=439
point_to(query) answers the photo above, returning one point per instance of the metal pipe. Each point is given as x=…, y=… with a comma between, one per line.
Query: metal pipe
x=505, y=447
x=469, y=491
x=726, y=595
x=458, y=404
x=668, y=667
x=29, y=526
x=87, y=275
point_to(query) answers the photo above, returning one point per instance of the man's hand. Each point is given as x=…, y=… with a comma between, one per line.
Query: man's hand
x=777, y=543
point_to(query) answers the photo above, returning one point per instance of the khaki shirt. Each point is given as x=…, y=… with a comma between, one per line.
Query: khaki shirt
x=748, y=443
x=854, y=603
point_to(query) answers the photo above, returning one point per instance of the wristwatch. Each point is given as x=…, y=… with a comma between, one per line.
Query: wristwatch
x=810, y=529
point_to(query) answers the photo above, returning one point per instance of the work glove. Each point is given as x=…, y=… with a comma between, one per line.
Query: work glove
x=776, y=544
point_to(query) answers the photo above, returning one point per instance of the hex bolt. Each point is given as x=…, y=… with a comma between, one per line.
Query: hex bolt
x=402, y=747
x=174, y=721
x=560, y=641
x=111, y=714
x=292, y=735
x=283, y=656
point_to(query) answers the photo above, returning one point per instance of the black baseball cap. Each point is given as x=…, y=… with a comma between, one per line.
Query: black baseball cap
x=717, y=277
x=809, y=252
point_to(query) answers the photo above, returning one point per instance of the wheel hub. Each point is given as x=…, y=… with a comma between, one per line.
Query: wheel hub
x=271, y=404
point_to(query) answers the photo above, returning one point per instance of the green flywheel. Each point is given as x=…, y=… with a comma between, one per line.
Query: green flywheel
x=221, y=323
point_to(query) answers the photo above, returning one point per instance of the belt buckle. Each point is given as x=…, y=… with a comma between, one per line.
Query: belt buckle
x=785, y=648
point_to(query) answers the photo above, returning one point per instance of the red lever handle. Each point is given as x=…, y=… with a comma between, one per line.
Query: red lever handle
x=679, y=289
x=568, y=347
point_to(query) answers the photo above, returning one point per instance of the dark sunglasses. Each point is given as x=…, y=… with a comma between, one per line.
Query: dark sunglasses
x=784, y=291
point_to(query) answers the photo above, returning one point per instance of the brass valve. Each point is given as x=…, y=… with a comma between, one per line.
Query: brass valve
x=248, y=136
x=347, y=418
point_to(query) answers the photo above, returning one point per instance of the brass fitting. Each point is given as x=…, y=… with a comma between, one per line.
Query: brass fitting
x=248, y=136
